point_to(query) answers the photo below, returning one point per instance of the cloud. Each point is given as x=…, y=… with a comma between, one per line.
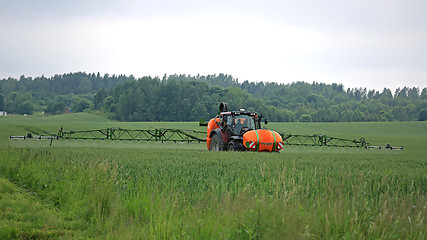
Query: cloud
x=164, y=45
x=357, y=43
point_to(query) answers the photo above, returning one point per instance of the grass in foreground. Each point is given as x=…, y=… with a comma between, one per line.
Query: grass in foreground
x=126, y=193
x=155, y=191
x=24, y=216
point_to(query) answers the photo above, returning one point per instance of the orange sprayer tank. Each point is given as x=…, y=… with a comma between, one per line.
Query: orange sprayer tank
x=262, y=140
x=211, y=126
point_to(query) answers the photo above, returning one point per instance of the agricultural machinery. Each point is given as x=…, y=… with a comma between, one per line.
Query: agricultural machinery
x=228, y=131
x=239, y=131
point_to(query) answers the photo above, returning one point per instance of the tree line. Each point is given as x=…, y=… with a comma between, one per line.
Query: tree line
x=190, y=98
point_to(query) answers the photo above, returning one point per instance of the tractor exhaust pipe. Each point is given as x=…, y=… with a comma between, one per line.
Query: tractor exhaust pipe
x=223, y=107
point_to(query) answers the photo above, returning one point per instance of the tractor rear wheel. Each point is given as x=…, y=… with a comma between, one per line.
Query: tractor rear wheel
x=217, y=144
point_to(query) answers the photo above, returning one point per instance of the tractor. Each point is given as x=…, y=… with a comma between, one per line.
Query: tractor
x=240, y=131
x=228, y=131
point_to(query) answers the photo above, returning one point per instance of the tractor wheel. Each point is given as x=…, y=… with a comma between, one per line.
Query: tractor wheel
x=217, y=144
x=234, y=146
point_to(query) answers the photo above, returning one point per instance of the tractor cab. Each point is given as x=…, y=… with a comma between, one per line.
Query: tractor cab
x=238, y=122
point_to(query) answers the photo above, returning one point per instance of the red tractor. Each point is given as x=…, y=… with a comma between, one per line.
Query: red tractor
x=240, y=131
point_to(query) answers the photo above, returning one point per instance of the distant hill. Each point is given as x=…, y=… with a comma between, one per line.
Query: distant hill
x=190, y=98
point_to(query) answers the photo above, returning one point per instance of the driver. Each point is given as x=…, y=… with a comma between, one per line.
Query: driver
x=240, y=121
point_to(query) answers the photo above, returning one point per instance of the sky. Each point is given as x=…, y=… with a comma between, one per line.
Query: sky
x=364, y=43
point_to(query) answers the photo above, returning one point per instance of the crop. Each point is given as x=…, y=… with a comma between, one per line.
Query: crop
x=182, y=191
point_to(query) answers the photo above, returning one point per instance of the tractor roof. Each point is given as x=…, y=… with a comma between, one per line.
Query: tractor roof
x=237, y=113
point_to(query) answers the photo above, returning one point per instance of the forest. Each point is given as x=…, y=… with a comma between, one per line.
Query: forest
x=191, y=98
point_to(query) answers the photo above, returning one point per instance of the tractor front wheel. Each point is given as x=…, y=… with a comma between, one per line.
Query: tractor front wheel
x=234, y=146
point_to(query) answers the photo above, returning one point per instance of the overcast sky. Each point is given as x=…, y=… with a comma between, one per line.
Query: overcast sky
x=373, y=44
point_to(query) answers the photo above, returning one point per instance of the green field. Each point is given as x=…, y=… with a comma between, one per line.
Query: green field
x=140, y=190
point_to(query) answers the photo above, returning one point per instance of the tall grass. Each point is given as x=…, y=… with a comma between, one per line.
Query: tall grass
x=166, y=194
x=113, y=190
